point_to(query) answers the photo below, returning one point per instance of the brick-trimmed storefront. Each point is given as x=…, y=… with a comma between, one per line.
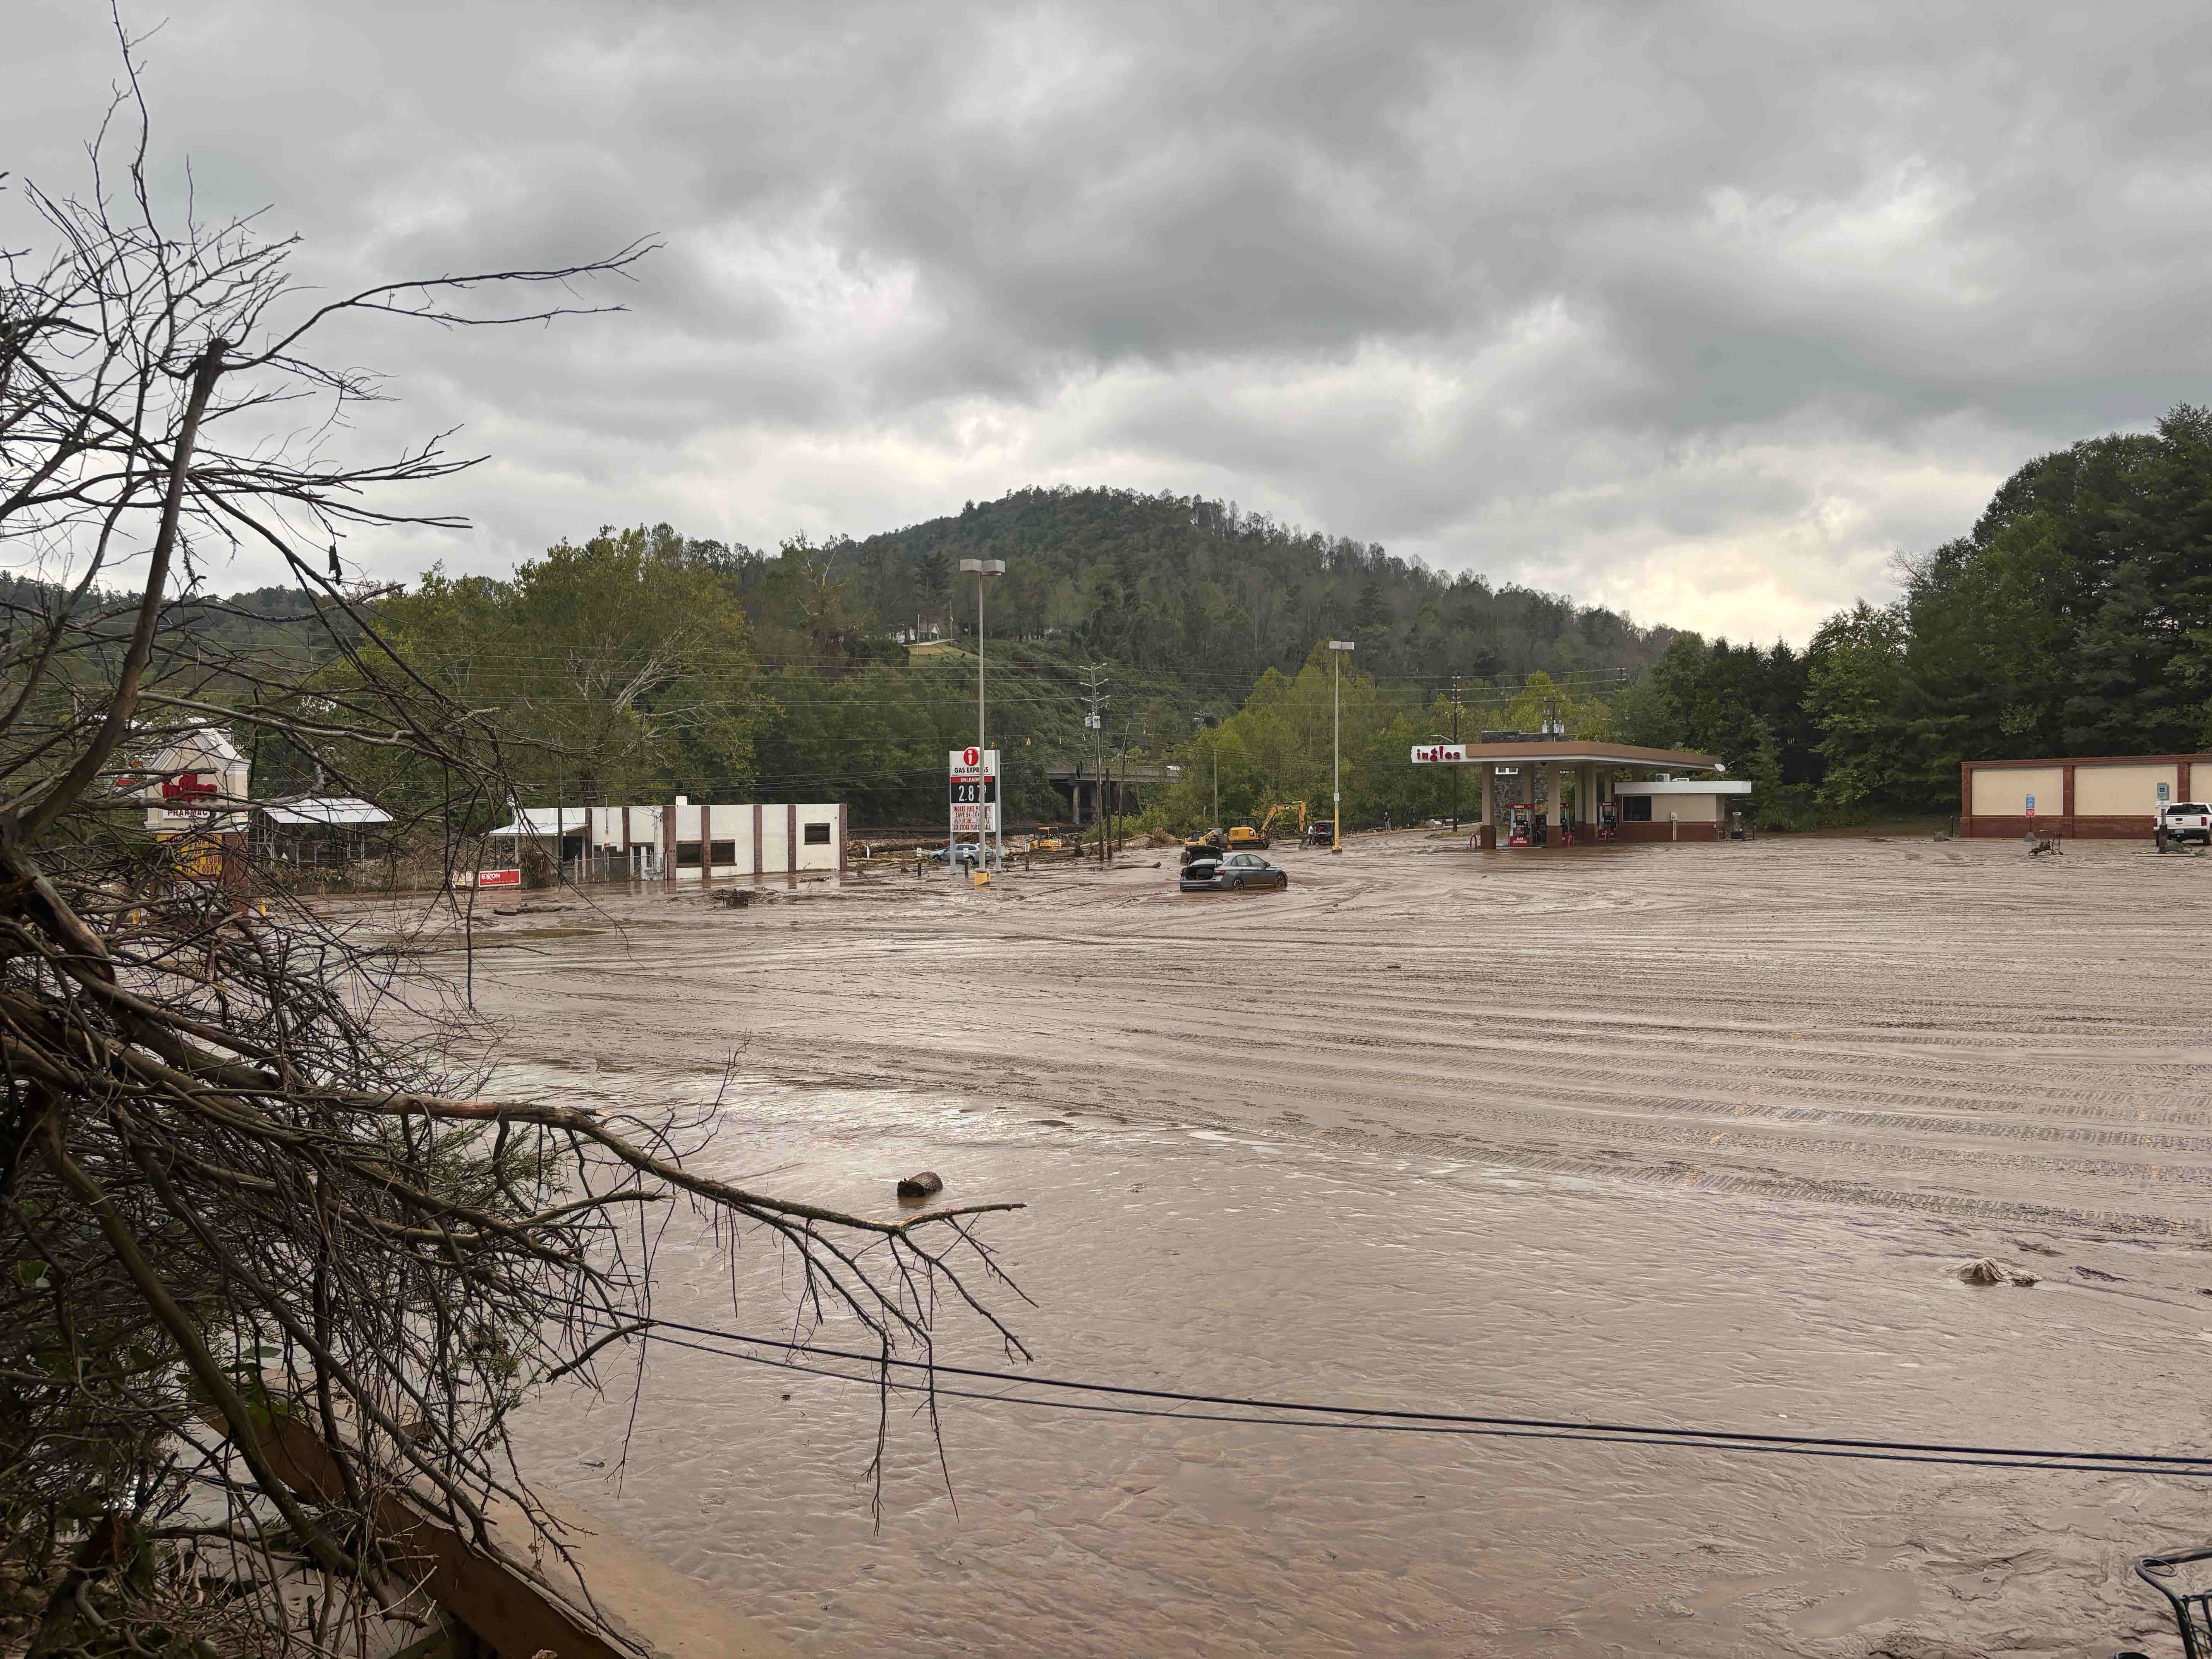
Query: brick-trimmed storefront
x=2098, y=782
x=1683, y=831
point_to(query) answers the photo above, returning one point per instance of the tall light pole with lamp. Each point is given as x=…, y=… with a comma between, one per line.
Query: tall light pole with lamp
x=1337, y=648
x=985, y=570
x=1199, y=722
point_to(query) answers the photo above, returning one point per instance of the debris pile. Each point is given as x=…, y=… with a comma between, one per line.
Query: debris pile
x=1989, y=1271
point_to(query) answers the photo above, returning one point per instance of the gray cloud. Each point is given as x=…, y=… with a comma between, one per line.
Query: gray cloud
x=1700, y=310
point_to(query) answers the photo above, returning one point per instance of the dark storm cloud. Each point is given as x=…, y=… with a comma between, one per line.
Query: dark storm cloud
x=1698, y=309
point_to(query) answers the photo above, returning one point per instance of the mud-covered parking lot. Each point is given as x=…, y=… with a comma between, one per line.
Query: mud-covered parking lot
x=1692, y=1134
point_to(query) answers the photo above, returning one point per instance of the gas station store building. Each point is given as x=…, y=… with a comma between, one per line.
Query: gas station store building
x=1552, y=792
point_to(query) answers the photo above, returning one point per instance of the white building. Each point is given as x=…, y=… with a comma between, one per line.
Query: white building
x=690, y=840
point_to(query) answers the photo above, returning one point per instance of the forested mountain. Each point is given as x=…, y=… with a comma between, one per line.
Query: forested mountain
x=2075, y=616
x=1180, y=606
x=638, y=661
x=1171, y=584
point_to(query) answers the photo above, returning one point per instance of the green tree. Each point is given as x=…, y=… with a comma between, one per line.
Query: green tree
x=1856, y=694
x=615, y=673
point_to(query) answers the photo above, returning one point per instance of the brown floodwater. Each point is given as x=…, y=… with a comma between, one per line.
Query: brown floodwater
x=1694, y=1136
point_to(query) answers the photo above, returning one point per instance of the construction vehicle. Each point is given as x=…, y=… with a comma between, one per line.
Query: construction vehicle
x=1267, y=823
x=1210, y=843
x=1247, y=837
x=1047, y=838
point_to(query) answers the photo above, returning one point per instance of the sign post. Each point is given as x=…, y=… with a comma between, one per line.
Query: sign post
x=1336, y=648
x=973, y=794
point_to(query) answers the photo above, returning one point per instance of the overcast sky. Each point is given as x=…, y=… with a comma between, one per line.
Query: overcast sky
x=1700, y=311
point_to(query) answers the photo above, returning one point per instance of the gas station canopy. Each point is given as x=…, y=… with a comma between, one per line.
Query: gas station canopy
x=1567, y=751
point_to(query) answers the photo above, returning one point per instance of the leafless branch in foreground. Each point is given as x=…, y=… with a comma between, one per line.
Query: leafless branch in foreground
x=235, y=1190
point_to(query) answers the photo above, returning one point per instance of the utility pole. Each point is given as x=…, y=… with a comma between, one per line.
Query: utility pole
x=1454, y=737
x=1113, y=820
x=1094, y=691
x=1199, y=722
x=984, y=569
x=1337, y=648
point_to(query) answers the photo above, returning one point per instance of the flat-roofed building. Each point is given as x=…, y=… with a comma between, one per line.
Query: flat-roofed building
x=2097, y=797
x=684, y=839
x=1542, y=772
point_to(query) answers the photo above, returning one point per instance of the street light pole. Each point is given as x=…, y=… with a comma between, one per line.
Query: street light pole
x=1337, y=647
x=984, y=569
x=1454, y=737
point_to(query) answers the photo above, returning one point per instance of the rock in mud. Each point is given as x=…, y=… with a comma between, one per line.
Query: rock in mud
x=927, y=1184
x=1985, y=1271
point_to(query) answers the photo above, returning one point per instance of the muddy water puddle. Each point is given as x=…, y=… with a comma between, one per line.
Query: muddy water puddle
x=1207, y=1262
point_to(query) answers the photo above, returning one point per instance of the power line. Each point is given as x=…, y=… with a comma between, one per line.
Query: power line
x=1373, y=1418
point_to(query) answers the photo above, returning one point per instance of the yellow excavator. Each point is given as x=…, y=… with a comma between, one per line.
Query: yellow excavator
x=1249, y=834
x=1209, y=843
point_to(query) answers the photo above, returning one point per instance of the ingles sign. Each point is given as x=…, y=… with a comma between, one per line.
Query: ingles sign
x=1456, y=752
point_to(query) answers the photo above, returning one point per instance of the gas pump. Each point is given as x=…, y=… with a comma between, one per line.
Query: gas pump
x=1520, y=820
x=1609, y=822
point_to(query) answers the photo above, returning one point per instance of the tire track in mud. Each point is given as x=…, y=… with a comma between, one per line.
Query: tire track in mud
x=1814, y=1020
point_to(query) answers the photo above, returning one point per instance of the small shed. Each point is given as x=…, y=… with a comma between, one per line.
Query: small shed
x=323, y=831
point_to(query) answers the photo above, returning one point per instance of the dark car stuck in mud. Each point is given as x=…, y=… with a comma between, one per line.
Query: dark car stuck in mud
x=1232, y=873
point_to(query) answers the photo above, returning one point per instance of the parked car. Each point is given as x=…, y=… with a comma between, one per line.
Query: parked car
x=961, y=852
x=2183, y=820
x=1321, y=832
x=1232, y=873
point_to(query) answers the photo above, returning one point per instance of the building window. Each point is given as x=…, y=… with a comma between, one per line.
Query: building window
x=725, y=852
x=818, y=834
x=687, y=855
x=1636, y=808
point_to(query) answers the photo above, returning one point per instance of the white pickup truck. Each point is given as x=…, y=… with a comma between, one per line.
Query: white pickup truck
x=2183, y=821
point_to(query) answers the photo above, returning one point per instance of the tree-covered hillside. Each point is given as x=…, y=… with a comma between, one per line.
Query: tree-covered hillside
x=1174, y=584
x=638, y=662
